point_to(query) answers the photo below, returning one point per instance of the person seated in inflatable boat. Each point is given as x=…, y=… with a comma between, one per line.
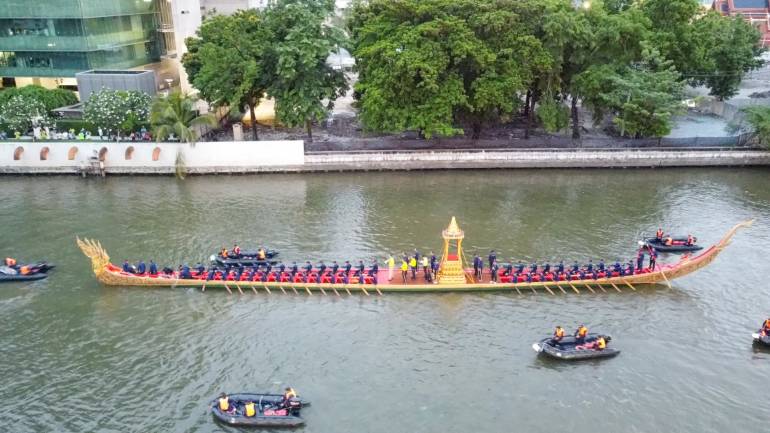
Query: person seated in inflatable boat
x=288, y=395
x=558, y=335
x=225, y=405
x=765, y=328
x=598, y=344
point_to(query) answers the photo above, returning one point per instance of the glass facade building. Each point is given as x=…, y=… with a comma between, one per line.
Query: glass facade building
x=58, y=38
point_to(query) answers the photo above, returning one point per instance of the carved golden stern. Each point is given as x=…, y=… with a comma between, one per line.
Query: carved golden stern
x=94, y=251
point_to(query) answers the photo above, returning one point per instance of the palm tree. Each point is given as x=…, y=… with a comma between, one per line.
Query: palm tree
x=175, y=114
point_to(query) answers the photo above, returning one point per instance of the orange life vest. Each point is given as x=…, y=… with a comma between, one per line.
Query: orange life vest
x=250, y=411
x=261, y=254
x=669, y=241
x=290, y=394
x=224, y=404
x=24, y=270
x=601, y=344
x=659, y=234
x=767, y=324
x=559, y=333
x=224, y=252
x=582, y=332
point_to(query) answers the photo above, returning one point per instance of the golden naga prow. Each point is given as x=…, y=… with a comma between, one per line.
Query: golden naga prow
x=452, y=276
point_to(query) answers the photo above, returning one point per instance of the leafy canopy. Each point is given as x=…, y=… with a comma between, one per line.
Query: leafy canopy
x=117, y=110
x=176, y=115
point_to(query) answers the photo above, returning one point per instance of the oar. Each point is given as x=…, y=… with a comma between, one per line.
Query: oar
x=549, y=290
x=239, y=288
x=662, y=272
x=295, y=290
x=203, y=289
x=348, y=290
x=267, y=289
x=561, y=288
x=599, y=285
x=364, y=289
x=335, y=291
x=228, y=289
x=254, y=289
x=589, y=287
x=629, y=285
x=282, y=289
x=309, y=293
x=322, y=290
x=573, y=287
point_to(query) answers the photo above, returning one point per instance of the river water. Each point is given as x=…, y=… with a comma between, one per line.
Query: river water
x=76, y=356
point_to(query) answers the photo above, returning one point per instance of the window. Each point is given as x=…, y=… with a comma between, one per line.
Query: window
x=156, y=154
x=17, y=153
x=44, y=153
x=129, y=153
x=72, y=153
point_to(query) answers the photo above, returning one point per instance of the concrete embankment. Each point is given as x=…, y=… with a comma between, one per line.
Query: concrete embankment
x=289, y=156
x=561, y=158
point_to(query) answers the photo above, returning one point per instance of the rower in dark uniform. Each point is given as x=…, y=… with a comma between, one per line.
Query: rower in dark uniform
x=335, y=268
x=519, y=267
x=481, y=269
x=575, y=268
x=373, y=270
x=308, y=269
x=185, y=274
x=141, y=268
x=360, y=271
x=200, y=268
x=154, y=268
x=293, y=269
x=617, y=267
x=476, y=259
x=533, y=268
x=492, y=258
x=347, y=268
x=321, y=269
x=281, y=267
x=560, y=267
x=629, y=268
x=546, y=268
x=640, y=259
x=432, y=259
x=509, y=268
x=601, y=267
x=590, y=266
x=211, y=274
x=493, y=271
x=653, y=258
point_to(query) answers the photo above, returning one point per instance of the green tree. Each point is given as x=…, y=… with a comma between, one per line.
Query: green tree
x=50, y=98
x=22, y=112
x=303, y=84
x=642, y=98
x=117, y=110
x=434, y=64
x=758, y=119
x=176, y=115
x=727, y=48
x=225, y=61
x=706, y=48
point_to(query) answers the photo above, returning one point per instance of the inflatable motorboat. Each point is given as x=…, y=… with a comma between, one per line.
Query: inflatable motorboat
x=246, y=258
x=759, y=338
x=35, y=272
x=269, y=411
x=569, y=350
x=679, y=245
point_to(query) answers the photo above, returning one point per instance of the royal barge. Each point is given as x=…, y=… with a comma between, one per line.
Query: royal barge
x=453, y=275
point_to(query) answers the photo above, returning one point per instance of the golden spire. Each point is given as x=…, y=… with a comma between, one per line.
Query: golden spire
x=453, y=231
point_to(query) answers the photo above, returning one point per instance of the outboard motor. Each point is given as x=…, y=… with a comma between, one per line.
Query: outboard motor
x=294, y=405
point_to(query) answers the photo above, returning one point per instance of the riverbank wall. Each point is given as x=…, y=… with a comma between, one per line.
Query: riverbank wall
x=290, y=156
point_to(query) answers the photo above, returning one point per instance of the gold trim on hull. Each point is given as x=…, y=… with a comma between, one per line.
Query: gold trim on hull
x=100, y=262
